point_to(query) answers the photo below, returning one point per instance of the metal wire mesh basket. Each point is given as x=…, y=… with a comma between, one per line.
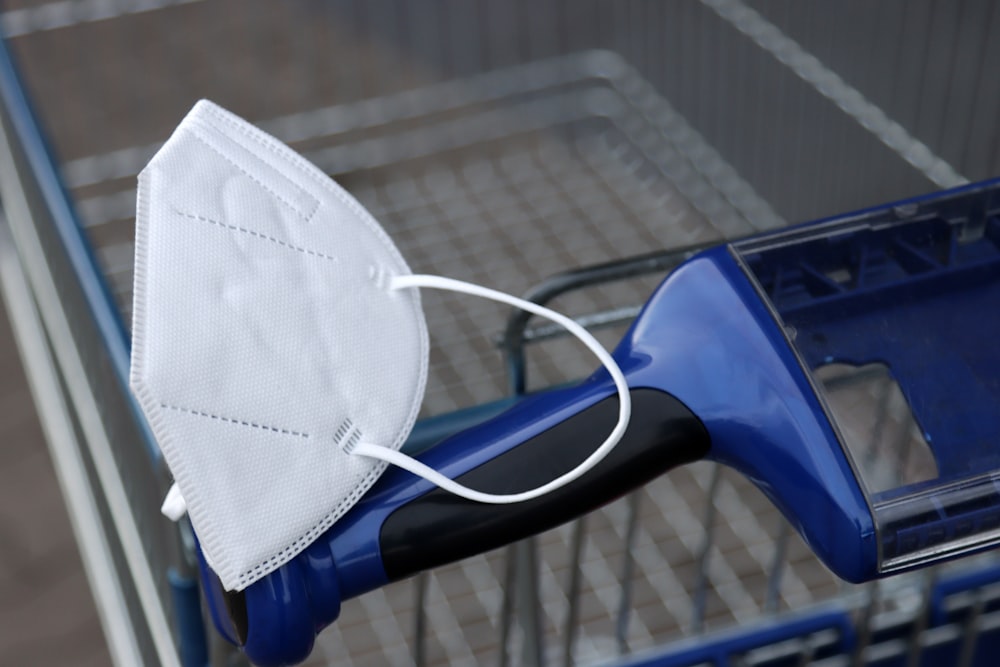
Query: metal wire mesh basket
x=504, y=143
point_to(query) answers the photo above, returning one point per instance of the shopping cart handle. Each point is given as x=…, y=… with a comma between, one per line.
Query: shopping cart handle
x=438, y=527
x=705, y=362
x=405, y=525
x=723, y=353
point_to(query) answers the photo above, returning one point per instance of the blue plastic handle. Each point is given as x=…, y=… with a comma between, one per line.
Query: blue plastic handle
x=275, y=619
x=705, y=338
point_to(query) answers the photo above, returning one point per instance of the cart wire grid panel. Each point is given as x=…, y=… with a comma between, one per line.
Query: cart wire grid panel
x=573, y=151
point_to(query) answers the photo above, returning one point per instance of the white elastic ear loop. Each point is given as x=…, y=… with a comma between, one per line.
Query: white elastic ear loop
x=417, y=468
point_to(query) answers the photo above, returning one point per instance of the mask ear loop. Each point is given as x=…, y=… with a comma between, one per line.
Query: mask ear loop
x=433, y=476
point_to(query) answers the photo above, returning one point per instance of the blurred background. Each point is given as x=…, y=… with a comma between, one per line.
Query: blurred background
x=500, y=142
x=46, y=609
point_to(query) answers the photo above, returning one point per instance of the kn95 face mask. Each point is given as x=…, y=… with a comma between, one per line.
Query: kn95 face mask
x=279, y=347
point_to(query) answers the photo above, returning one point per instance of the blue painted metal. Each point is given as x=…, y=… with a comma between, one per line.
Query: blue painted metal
x=720, y=649
x=187, y=614
x=723, y=649
x=214, y=597
x=956, y=583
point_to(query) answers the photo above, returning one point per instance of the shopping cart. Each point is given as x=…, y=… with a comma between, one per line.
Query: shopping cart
x=505, y=143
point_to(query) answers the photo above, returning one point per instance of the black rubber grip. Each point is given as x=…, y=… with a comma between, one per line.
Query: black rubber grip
x=439, y=527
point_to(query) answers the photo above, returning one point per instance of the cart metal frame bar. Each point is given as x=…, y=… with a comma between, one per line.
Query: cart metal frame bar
x=89, y=348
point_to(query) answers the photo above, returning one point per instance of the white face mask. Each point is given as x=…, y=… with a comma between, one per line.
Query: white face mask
x=279, y=349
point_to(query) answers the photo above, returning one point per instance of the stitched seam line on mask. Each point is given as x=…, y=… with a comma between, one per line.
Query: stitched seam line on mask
x=239, y=422
x=258, y=235
x=328, y=186
x=293, y=549
x=347, y=430
x=256, y=180
x=296, y=161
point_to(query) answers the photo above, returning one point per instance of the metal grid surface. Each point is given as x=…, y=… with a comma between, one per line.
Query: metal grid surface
x=516, y=175
x=674, y=563
x=502, y=142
